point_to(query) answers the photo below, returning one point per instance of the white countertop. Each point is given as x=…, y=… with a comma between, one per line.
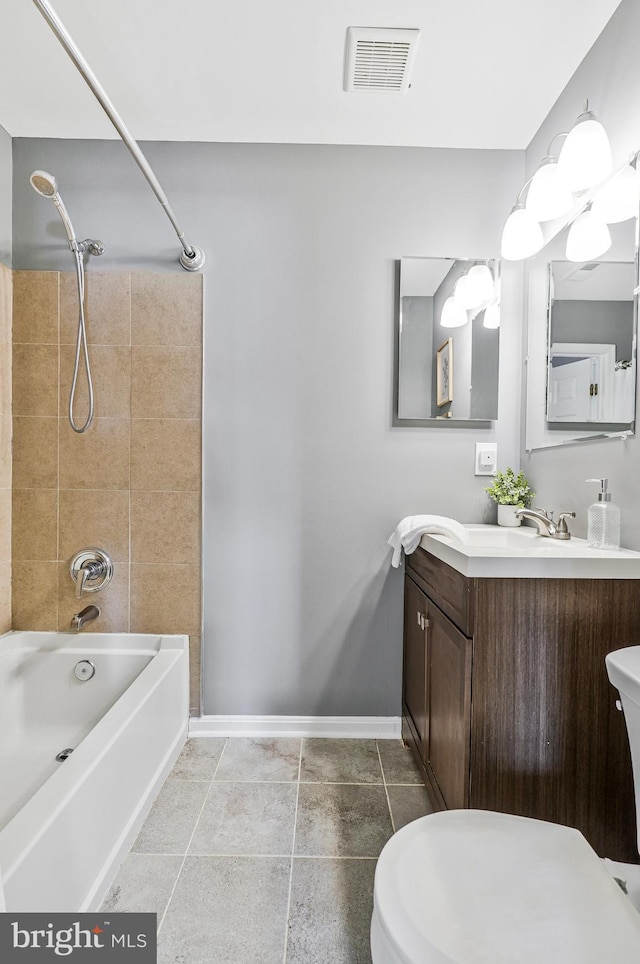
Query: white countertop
x=520, y=553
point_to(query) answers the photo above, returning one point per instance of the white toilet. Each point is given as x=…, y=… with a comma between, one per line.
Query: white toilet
x=477, y=887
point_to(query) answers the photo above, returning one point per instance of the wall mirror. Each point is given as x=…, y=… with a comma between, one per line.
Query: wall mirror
x=591, y=357
x=582, y=333
x=448, y=340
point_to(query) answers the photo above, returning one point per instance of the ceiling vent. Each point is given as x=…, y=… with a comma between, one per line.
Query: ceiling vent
x=377, y=58
x=583, y=272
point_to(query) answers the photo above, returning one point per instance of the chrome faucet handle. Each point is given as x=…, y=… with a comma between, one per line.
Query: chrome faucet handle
x=562, y=531
x=81, y=578
x=548, y=515
x=91, y=569
x=562, y=525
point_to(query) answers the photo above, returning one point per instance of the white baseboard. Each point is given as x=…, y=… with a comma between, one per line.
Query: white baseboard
x=338, y=727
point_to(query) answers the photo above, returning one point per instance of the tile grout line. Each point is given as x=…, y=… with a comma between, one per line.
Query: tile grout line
x=248, y=856
x=193, y=832
x=306, y=783
x=386, y=791
x=293, y=849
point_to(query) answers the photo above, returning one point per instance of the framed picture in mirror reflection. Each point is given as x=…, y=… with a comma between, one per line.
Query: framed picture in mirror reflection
x=444, y=373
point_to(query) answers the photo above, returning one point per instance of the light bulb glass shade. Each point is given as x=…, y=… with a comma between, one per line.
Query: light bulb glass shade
x=549, y=196
x=474, y=288
x=481, y=282
x=522, y=235
x=588, y=237
x=585, y=158
x=492, y=315
x=617, y=200
x=453, y=314
x=462, y=293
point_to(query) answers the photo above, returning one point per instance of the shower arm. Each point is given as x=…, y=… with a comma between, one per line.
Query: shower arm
x=192, y=258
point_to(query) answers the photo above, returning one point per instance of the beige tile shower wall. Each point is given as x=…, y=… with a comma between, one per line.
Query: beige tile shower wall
x=132, y=484
x=5, y=448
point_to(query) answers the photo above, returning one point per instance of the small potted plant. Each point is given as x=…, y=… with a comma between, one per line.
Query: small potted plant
x=511, y=492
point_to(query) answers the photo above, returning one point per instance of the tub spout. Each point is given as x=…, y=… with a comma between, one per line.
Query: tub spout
x=84, y=616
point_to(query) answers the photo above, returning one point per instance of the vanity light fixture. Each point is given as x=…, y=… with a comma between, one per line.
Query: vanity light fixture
x=480, y=284
x=474, y=288
x=617, y=200
x=549, y=195
x=492, y=315
x=552, y=191
x=463, y=293
x=588, y=237
x=453, y=314
x=585, y=159
x=522, y=235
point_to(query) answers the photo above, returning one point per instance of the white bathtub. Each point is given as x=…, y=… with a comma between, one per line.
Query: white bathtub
x=65, y=826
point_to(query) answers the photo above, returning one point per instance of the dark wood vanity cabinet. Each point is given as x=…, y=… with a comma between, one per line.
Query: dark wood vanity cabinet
x=506, y=701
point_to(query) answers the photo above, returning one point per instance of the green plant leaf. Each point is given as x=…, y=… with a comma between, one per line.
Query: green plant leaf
x=508, y=488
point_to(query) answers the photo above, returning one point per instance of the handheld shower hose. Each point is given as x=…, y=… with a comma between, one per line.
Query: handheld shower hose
x=45, y=184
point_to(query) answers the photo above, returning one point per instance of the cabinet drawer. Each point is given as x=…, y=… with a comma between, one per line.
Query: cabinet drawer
x=448, y=588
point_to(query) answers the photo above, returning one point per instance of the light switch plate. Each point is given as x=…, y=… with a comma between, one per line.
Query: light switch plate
x=486, y=458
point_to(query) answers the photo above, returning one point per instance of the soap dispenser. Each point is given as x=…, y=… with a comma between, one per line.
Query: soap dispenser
x=603, y=520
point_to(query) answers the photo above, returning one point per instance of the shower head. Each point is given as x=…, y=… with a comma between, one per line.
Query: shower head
x=44, y=183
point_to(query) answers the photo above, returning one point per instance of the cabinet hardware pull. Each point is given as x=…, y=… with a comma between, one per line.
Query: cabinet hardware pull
x=419, y=618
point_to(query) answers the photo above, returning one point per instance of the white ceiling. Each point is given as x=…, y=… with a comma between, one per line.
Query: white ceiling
x=255, y=71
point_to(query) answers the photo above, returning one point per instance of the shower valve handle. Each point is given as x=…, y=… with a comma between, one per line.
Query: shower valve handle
x=91, y=569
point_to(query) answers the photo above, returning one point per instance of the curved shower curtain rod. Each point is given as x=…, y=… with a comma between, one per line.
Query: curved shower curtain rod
x=192, y=258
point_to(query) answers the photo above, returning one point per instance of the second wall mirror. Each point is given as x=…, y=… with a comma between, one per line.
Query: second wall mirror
x=582, y=331
x=591, y=351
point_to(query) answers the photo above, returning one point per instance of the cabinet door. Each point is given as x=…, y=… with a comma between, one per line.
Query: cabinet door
x=449, y=676
x=415, y=661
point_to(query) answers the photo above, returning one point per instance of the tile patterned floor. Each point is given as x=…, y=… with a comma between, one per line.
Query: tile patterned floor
x=263, y=851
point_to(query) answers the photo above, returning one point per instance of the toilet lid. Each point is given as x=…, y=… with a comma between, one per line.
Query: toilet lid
x=477, y=886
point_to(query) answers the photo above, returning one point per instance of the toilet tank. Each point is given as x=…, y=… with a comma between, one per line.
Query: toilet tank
x=623, y=668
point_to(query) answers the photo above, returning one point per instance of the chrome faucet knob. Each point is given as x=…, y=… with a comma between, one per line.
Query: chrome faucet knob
x=91, y=570
x=549, y=515
x=562, y=525
x=562, y=531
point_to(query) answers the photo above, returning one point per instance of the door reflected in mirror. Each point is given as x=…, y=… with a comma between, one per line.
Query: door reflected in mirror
x=591, y=348
x=448, y=319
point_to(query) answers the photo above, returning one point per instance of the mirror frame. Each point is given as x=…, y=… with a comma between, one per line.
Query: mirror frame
x=434, y=421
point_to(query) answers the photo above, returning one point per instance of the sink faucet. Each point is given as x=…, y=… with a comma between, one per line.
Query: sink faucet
x=84, y=616
x=546, y=525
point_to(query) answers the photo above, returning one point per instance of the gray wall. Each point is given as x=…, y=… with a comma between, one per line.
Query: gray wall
x=6, y=165
x=610, y=77
x=304, y=476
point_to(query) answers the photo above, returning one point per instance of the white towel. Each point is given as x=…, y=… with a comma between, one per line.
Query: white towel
x=409, y=531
